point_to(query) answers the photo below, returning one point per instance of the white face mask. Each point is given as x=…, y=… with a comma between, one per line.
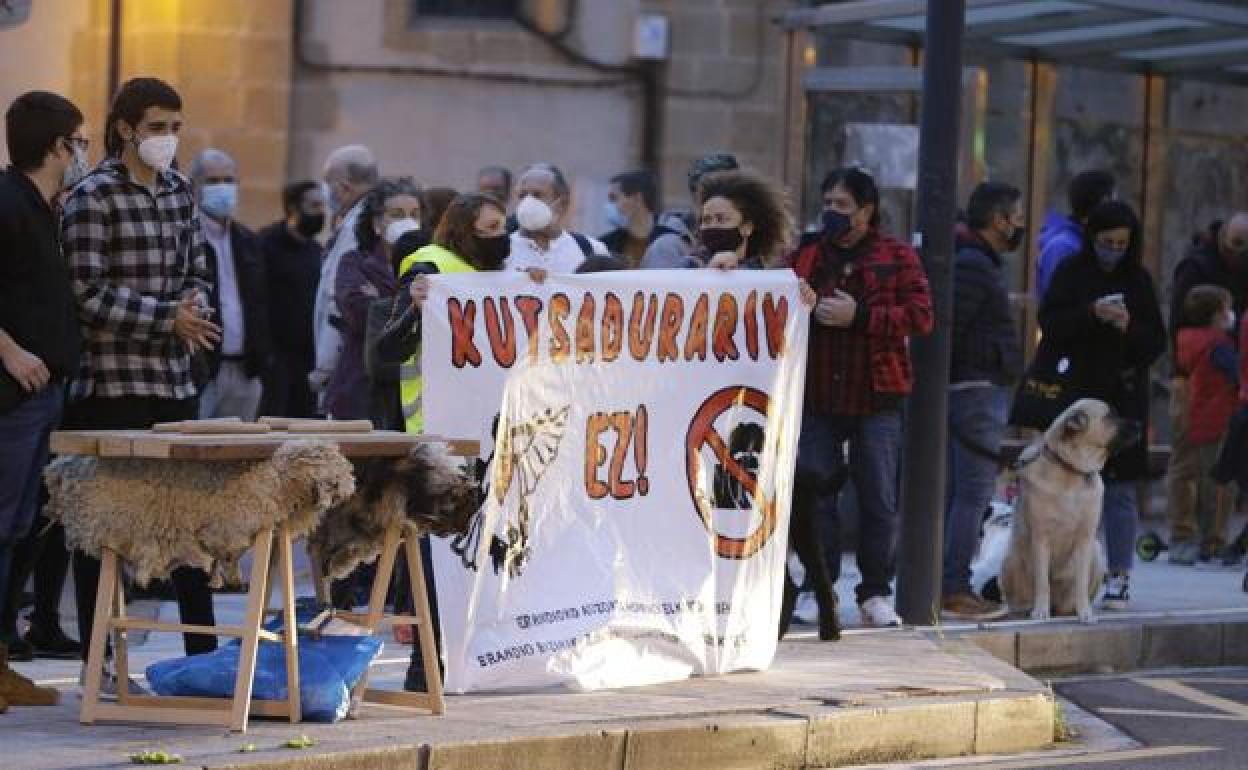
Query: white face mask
x=400, y=227
x=534, y=215
x=158, y=151
x=1228, y=322
x=76, y=170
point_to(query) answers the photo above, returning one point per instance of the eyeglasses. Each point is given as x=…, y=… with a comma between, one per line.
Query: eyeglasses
x=79, y=142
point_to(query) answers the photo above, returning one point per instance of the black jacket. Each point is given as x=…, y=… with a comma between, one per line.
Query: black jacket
x=293, y=269
x=1203, y=264
x=617, y=239
x=37, y=307
x=249, y=271
x=1101, y=361
x=986, y=343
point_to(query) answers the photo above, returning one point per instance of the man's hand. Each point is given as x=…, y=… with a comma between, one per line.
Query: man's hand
x=538, y=274
x=808, y=295
x=25, y=367
x=419, y=291
x=837, y=311
x=197, y=332
x=725, y=260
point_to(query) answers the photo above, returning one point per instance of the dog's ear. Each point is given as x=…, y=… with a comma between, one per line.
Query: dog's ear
x=1077, y=422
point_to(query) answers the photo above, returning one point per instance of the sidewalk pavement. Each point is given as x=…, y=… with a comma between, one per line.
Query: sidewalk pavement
x=878, y=695
x=875, y=696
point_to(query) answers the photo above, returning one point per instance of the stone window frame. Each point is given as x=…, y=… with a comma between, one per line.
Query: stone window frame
x=431, y=38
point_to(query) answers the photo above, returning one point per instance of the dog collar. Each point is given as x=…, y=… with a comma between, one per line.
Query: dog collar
x=1066, y=464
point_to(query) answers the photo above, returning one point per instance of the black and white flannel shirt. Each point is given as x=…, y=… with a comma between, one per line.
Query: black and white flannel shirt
x=133, y=254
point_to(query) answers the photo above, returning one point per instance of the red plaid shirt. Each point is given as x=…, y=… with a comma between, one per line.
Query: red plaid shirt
x=864, y=368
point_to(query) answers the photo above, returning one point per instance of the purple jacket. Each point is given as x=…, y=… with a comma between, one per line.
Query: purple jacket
x=362, y=277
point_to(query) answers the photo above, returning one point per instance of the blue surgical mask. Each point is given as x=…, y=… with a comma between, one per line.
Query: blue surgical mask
x=219, y=201
x=835, y=224
x=615, y=217
x=1109, y=258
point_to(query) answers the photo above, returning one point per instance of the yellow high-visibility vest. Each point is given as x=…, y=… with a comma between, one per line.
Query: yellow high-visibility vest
x=411, y=383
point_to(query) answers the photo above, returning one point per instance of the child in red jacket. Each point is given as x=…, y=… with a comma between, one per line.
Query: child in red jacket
x=1205, y=352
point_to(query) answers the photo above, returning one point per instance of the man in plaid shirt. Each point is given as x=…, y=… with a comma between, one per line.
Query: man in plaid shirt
x=137, y=263
x=873, y=296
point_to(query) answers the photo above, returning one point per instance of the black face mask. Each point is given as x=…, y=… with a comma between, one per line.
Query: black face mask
x=835, y=224
x=717, y=239
x=493, y=251
x=1016, y=239
x=309, y=225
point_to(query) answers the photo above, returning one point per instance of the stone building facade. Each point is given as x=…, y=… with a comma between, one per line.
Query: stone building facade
x=279, y=83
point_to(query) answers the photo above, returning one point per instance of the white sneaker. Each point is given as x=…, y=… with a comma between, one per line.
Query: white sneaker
x=806, y=609
x=1117, y=591
x=878, y=612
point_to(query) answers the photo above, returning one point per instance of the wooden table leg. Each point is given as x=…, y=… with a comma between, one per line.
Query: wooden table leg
x=249, y=643
x=121, y=642
x=377, y=596
x=105, y=594
x=290, y=638
x=428, y=644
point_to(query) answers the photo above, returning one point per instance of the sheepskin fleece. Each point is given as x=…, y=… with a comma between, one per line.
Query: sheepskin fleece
x=430, y=490
x=163, y=514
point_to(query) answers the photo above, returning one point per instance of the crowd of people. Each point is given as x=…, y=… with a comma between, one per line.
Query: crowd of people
x=130, y=294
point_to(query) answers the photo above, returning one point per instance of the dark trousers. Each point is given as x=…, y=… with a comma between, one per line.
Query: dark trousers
x=41, y=553
x=24, y=435
x=286, y=390
x=190, y=584
x=874, y=448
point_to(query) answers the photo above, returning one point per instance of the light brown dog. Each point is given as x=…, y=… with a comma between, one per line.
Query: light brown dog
x=1054, y=562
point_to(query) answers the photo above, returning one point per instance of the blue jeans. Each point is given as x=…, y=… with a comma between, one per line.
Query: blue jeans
x=977, y=420
x=1119, y=516
x=24, y=436
x=23, y=453
x=874, y=448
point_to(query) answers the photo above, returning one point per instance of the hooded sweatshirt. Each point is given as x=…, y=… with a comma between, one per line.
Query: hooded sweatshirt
x=1060, y=238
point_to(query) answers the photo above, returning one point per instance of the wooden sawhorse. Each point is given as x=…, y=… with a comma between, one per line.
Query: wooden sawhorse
x=376, y=618
x=267, y=569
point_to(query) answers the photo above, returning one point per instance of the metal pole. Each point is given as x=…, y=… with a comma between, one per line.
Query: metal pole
x=923, y=472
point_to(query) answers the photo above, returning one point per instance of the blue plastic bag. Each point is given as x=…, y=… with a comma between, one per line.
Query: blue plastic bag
x=329, y=666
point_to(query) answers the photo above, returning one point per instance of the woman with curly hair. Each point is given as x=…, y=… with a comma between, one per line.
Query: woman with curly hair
x=743, y=221
x=391, y=209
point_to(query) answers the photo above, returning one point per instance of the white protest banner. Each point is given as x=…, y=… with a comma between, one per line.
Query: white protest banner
x=635, y=526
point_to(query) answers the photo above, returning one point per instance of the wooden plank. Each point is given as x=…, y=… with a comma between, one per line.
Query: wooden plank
x=330, y=426
x=209, y=428
x=263, y=708
x=180, y=425
x=424, y=630
x=116, y=446
x=105, y=593
x=257, y=600
x=74, y=443
x=141, y=624
x=179, y=446
x=290, y=638
x=409, y=700
x=115, y=712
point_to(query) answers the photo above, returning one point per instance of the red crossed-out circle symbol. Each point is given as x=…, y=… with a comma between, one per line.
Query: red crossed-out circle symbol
x=701, y=434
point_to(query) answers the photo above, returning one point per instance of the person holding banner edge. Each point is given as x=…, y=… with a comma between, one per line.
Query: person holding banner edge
x=471, y=237
x=743, y=223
